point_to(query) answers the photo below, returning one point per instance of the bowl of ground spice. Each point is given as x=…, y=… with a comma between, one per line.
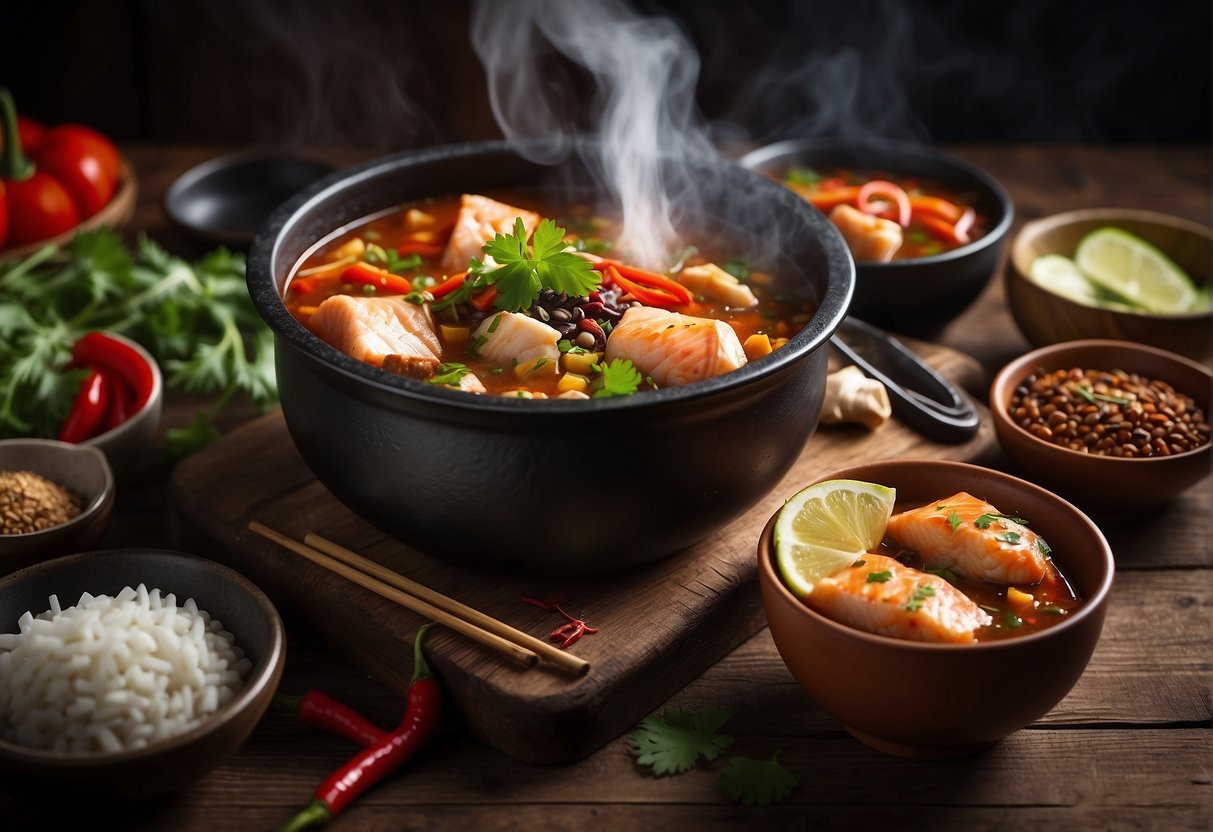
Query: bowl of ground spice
x=55, y=499
x=1110, y=425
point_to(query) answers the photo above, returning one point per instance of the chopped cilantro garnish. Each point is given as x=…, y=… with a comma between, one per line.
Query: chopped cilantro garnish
x=921, y=594
x=802, y=176
x=1008, y=537
x=984, y=520
x=954, y=520
x=539, y=362
x=390, y=259
x=740, y=269
x=860, y=562
x=618, y=378
x=493, y=324
x=1044, y=548
x=947, y=574
x=475, y=344
x=879, y=577
x=1012, y=621
x=449, y=374
x=524, y=270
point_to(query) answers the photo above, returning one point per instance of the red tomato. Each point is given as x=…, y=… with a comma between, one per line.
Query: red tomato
x=85, y=162
x=39, y=208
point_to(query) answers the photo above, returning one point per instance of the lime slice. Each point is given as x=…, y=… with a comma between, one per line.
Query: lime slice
x=1061, y=276
x=826, y=527
x=1136, y=270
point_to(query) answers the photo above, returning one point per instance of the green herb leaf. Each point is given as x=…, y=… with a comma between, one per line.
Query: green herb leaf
x=947, y=574
x=983, y=521
x=525, y=270
x=860, y=562
x=1052, y=609
x=1012, y=621
x=672, y=742
x=449, y=374
x=878, y=577
x=1008, y=537
x=954, y=520
x=920, y=594
x=181, y=442
x=618, y=378
x=989, y=609
x=802, y=176
x=757, y=782
x=740, y=269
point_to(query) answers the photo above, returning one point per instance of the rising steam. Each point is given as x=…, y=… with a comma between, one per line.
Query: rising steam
x=643, y=108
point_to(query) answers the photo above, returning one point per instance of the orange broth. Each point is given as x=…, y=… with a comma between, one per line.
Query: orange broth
x=779, y=314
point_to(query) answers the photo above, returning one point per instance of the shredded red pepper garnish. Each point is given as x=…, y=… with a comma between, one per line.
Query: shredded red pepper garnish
x=566, y=634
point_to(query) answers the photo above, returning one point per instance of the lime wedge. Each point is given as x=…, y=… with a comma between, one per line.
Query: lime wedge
x=826, y=527
x=1132, y=268
x=1061, y=276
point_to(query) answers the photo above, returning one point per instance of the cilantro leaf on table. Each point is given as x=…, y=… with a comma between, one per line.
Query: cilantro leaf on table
x=757, y=782
x=672, y=742
x=523, y=271
x=618, y=378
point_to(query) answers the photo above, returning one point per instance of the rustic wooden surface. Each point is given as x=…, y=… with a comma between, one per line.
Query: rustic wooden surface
x=659, y=626
x=1129, y=748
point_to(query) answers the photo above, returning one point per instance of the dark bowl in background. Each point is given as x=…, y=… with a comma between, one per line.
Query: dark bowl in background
x=223, y=201
x=920, y=295
x=166, y=765
x=550, y=486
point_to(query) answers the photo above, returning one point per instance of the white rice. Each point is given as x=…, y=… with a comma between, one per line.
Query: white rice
x=114, y=674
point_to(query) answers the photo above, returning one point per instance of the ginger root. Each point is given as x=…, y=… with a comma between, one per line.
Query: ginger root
x=853, y=397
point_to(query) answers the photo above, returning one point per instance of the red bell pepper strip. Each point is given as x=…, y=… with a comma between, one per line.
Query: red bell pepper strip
x=122, y=402
x=87, y=415
x=647, y=287
x=825, y=200
x=891, y=192
x=447, y=286
x=935, y=206
x=96, y=349
x=484, y=300
x=419, y=247
x=323, y=711
x=364, y=274
x=958, y=234
x=373, y=763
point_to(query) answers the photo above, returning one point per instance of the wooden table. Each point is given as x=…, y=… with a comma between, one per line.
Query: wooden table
x=1130, y=747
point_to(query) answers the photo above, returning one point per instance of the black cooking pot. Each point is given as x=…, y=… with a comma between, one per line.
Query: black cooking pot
x=558, y=486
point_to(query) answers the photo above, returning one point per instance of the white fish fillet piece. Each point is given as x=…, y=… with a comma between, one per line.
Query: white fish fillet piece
x=478, y=221
x=371, y=329
x=513, y=338
x=672, y=348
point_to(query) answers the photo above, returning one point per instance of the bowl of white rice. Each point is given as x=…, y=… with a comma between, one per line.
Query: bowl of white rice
x=133, y=671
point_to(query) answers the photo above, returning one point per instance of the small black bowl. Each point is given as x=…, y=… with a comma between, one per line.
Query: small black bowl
x=224, y=200
x=916, y=296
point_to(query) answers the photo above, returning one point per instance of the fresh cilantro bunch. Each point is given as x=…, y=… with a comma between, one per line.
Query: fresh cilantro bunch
x=673, y=742
x=524, y=270
x=195, y=318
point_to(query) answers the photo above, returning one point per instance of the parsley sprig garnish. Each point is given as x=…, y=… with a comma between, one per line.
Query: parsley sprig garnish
x=524, y=270
x=672, y=742
x=618, y=378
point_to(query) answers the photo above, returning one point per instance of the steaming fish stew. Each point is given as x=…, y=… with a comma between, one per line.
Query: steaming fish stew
x=885, y=217
x=529, y=299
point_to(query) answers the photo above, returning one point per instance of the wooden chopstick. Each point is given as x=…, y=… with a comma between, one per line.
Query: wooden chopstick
x=553, y=654
x=513, y=652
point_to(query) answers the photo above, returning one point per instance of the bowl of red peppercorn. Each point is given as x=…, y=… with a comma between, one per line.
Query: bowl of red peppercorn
x=1111, y=425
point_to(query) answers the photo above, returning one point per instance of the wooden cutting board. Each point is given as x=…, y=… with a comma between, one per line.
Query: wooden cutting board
x=659, y=626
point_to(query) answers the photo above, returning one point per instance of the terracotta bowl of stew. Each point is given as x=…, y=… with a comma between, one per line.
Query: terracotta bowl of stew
x=550, y=486
x=1084, y=468
x=931, y=700
x=929, y=283
x=1046, y=317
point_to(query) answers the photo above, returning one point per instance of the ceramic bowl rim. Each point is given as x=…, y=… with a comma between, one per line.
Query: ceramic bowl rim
x=154, y=399
x=95, y=504
x=1093, y=602
x=832, y=305
x=254, y=686
x=768, y=154
x=1005, y=379
x=1051, y=222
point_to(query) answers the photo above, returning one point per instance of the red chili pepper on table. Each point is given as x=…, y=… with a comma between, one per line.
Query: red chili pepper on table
x=88, y=410
x=323, y=711
x=62, y=176
x=373, y=763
